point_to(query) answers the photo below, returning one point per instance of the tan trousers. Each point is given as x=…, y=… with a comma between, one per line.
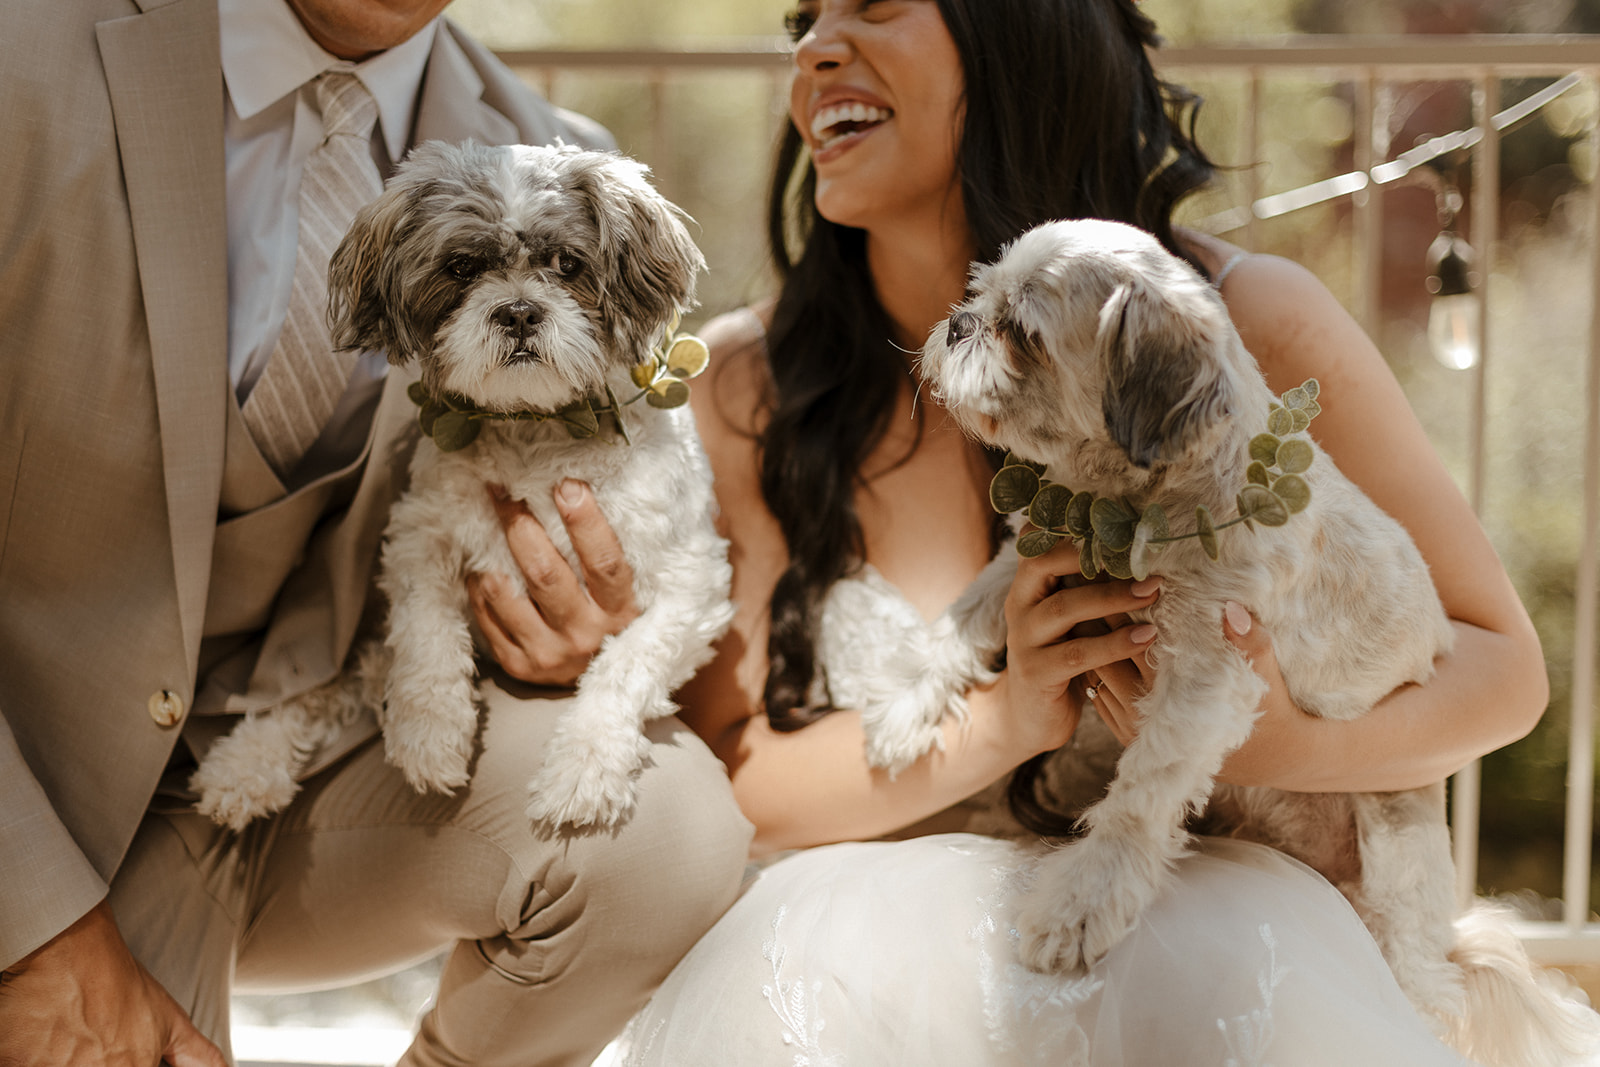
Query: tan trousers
x=557, y=941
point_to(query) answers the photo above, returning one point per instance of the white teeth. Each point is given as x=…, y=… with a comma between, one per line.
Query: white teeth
x=829, y=117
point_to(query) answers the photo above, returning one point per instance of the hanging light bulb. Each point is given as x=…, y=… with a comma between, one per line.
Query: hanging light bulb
x=1453, y=320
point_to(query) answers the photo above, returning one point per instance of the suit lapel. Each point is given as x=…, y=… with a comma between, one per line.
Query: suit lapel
x=163, y=69
x=452, y=107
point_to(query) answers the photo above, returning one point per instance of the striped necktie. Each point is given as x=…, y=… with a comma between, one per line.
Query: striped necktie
x=304, y=378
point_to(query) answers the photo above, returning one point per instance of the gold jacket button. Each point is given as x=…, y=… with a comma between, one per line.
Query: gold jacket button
x=166, y=707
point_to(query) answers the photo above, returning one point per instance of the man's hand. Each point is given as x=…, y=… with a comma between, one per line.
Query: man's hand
x=548, y=636
x=82, y=999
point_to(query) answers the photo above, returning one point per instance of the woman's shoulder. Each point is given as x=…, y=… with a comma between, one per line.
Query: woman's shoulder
x=738, y=382
x=1275, y=303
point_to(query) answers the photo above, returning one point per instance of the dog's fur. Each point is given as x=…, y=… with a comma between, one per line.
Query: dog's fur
x=1091, y=349
x=597, y=266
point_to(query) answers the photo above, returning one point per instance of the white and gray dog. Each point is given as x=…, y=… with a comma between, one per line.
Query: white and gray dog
x=531, y=284
x=1090, y=349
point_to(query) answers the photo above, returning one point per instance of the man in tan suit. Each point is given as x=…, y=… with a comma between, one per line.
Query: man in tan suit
x=159, y=577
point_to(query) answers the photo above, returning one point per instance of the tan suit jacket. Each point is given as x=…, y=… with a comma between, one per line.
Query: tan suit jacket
x=113, y=402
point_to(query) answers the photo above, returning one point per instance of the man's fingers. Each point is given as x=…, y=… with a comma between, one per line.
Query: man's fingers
x=605, y=568
x=493, y=598
x=186, y=1046
x=552, y=585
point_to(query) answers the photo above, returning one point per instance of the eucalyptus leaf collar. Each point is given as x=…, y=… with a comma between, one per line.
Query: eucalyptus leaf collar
x=453, y=421
x=1117, y=538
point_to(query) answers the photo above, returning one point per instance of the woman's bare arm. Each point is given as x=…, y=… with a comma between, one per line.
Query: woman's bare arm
x=1491, y=689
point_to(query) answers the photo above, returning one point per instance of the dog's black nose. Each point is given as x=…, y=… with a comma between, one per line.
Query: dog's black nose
x=518, y=318
x=963, y=324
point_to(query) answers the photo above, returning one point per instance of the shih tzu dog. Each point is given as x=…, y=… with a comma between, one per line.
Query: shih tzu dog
x=535, y=287
x=1113, y=367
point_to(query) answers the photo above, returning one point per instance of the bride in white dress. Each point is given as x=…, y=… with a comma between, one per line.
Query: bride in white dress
x=925, y=134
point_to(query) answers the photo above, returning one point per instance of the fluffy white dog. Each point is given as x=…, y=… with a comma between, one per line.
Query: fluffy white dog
x=535, y=286
x=1091, y=350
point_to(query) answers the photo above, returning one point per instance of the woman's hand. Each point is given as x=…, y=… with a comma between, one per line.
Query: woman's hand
x=548, y=635
x=1281, y=736
x=1058, y=629
x=83, y=999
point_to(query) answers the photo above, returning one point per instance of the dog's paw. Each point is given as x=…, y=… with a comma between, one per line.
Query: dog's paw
x=250, y=772
x=575, y=794
x=896, y=742
x=432, y=754
x=235, y=802
x=587, y=779
x=904, y=726
x=1084, y=900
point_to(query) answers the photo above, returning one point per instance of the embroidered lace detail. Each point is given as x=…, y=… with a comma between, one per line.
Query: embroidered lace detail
x=794, y=1002
x=1014, y=997
x=1247, y=1036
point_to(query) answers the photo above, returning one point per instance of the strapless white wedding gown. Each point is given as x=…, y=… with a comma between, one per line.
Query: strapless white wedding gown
x=902, y=953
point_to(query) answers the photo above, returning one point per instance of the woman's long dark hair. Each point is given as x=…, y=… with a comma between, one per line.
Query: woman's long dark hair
x=1064, y=118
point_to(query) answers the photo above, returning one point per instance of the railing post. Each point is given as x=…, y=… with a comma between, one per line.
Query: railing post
x=1466, y=789
x=1580, y=747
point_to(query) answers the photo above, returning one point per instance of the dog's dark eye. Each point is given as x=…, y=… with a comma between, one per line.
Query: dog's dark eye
x=464, y=268
x=566, y=264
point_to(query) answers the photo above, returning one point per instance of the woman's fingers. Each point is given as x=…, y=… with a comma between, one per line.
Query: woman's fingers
x=1116, y=687
x=1078, y=602
x=1096, y=652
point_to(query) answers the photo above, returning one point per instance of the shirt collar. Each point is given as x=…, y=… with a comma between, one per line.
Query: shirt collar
x=267, y=54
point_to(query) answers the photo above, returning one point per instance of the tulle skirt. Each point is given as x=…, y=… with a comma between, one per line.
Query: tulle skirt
x=902, y=954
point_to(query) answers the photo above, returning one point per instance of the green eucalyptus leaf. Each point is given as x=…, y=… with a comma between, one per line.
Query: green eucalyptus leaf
x=642, y=374
x=1256, y=473
x=1294, y=491
x=1149, y=540
x=1280, y=422
x=1140, y=557
x=1294, y=457
x=1079, y=523
x=1154, y=524
x=1296, y=398
x=1312, y=387
x=1206, y=530
x=687, y=357
x=581, y=420
x=1113, y=523
x=1036, y=543
x=1048, y=510
x=1118, y=564
x=1263, y=506
x=453, y=431
x=1264, y=448
x=431, y=410
x=1013, y=488
x=1298, y=420
x=667, y=393
x=1087, y=553
x=1312, y=409
x=418, y=393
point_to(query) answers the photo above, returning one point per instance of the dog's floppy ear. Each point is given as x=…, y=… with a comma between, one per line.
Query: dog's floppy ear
x=1164, y=384
x=363, y=280
x=651, y=263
